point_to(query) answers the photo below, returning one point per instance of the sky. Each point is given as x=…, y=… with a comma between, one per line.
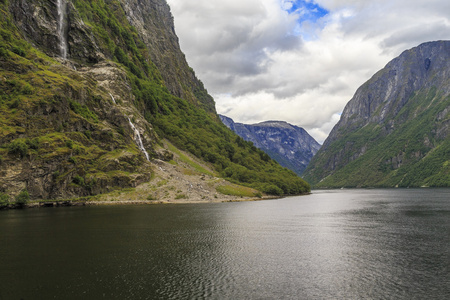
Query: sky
x=298, y=61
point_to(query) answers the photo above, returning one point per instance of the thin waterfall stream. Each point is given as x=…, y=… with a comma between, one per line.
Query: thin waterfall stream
x=62, y=5
x=138, y=139
x=113, y=99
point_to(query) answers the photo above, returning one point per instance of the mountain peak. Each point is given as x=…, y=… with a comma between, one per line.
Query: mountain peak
x=275, y=124
x=396, y=126
x=290, y=145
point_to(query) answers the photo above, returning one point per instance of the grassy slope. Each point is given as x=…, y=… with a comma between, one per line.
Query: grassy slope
x=425, y=160
x=40, y=82
x=39, y=105
x=189, y=126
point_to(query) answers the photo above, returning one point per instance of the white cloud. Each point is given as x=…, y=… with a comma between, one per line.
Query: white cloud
x=261, y=63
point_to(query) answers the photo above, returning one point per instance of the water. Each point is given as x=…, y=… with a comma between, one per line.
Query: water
x=62, y=6
x=350, y=244
x=138, y=139
x=114, y=100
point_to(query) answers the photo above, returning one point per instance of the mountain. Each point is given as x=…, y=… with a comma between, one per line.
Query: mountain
x=395, y=129
x=291, y=146
x=96, y=96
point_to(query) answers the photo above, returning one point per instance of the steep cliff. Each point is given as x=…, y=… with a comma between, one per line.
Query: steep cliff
x=155, y=26
x=91, y=90
x=395, y=129
x=291, y=146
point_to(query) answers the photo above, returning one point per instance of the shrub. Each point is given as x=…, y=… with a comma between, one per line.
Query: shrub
x=4, y=200
x=33, y=144
x=78, y=180
x=77, y=150
x=151, y=197
x=27, y=89
x=272, y=189
x=258, y=194
x=18, y=147
x=14, y=104
x=22, y=198
x=69, y=144
x=19, y=51
x=4, y=52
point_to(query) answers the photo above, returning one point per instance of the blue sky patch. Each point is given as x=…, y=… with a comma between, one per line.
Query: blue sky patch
x=308, y=10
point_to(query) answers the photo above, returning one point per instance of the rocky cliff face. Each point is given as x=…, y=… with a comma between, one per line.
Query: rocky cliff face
x=154, y=23
x=395, y=123
x=91, y=93
x=40, y=22
x=71, y=128
x=70, y=138
x=291, y=146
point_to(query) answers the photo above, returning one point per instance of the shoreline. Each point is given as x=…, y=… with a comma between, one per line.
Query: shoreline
x=87, y=202
x=174, y=182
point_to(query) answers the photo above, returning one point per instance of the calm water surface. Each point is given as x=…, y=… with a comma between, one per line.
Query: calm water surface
x=343, y=244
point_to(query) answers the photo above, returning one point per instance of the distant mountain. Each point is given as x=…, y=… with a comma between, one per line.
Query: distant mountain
x=291, y=146
x=395, y=131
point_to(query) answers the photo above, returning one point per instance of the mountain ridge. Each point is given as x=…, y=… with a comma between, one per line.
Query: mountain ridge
x=395, y=129
x=290, y=145
x=80, y=123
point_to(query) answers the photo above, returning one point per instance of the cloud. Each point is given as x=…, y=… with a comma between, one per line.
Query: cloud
x=298, y=61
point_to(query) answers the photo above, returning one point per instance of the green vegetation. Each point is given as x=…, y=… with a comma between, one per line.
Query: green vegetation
x=187, y=125
x=238, y=190
x=18, y=147
x=56, y=117
x=83, y=111
x=151, y=198
x=197, y=167
x=180, y=196
x=22, y=198
x=118, y=39
x=4, y=200
x=411, y=156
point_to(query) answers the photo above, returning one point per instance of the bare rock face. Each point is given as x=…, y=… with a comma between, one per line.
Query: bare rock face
x=154, y=23
x=39, y=20
x=291, y=146
x=395, y=123
x=81, y=43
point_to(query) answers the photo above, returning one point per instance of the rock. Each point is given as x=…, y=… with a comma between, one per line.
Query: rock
x=291, y=146
x=401, y=111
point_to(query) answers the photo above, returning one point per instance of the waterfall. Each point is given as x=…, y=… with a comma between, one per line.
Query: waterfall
x=114, y=100
x=137, y=138
x=62, y=28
